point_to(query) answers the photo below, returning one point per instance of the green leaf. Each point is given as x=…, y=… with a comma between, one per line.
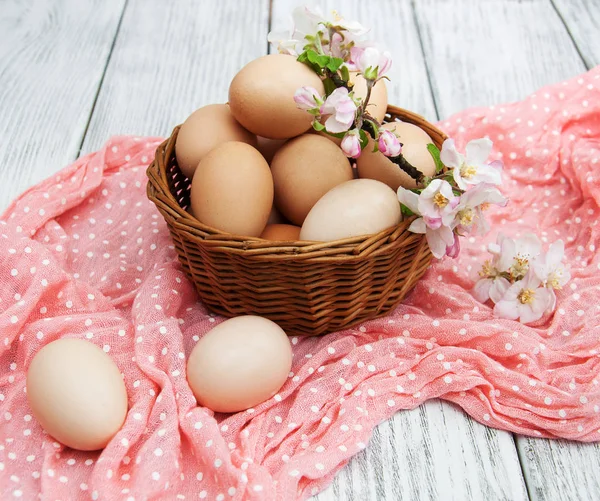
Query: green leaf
x=318, y=126
x=364, y=139
x=345, y=73
x=375, y=147
x=320, y=60
x=406, y=211
x=435, y=153
x=302, y=58
x=334, y=63
x=329, y=86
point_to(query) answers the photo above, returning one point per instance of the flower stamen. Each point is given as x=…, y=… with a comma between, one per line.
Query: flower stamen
x=526, y=296
x=468, y=171
x=440, y=200
x=466, y=217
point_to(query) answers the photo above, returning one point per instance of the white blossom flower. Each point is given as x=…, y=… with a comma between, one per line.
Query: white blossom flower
x=551, y=271
x=526, y=300
x=372, y=62
x=471, y=169
x=342, y=110
x=516, y=256
x=469, y=213
x=440, y=238
x=388, y=143
x=437, y=204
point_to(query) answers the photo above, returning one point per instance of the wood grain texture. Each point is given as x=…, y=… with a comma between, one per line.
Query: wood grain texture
x=560, y=470
x=435, y=451
x=430, y=453
x=171, y=58
x=395, y=31
x=483, y=52
x=500, y=51
x=52, y=57
x=582, y=20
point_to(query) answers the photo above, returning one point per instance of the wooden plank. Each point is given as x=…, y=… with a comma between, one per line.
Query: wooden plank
x=435, y=451
x=493, y=58
x=171, y=58
x=52, y=58
x=582, y=20
x=560, y=469
x=482, y=52
x=432, y=452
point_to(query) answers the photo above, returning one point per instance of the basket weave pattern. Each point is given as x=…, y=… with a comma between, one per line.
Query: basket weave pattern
x=307, y=288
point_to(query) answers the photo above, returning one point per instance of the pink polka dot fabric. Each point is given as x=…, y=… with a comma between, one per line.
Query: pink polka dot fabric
x=85, y=254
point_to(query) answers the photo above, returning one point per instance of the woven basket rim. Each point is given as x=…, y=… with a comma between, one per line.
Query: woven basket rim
x=160, y=194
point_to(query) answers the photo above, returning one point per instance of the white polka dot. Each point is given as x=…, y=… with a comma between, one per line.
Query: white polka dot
x=508, y=346
x=155, y=475
x=447, y=379
x=486, y=417
x=583, y=399
x=158, y=452
x=547, y=400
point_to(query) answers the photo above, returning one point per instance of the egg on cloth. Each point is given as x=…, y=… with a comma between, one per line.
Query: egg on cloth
x=354, y=208
x=240, y=363
x=232, y=190
x=261, y=96
x=281, y=232
x=204, y=129
x=375, y=165
x=77, y=394
x=304, y=169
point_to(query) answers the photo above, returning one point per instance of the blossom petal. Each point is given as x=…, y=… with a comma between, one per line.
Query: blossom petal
x=478, y=150
x=528, y=314
x=528, y=244
x=506, y=309
x=333, y=125
x=409, y=198
x=498, y=288
x=418, y=226
x=555, y=254
x=449, y=156
x=481, y=291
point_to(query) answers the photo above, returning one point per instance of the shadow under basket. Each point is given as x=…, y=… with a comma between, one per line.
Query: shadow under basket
x=307, y=288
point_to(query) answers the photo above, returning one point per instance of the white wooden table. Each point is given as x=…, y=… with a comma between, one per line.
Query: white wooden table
x=73, y=73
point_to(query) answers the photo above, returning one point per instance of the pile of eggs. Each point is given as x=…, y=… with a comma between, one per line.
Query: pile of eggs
x=258, y=168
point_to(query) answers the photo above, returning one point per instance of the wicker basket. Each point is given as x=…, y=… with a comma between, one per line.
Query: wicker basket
x=307, y=288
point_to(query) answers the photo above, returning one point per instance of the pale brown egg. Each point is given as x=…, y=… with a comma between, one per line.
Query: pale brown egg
x=304, y=169
x=239, y=364
x=76, y=393
x=414, y=148
x=268, y=147
x=261, y=96
x=232, y=190
x=281, y=232
x=354, y=208
x=378, y=100
x=204, y=129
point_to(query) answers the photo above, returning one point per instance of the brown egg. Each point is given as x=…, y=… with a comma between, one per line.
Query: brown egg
x=378, y=100
x=304, y=169
x=204, y=129
x=239, y=364
x=76, y=392
x=281, y=232
x=268, y=147
x=377, y=166
x=358, y=207
x=232, y=190
x=261, y=96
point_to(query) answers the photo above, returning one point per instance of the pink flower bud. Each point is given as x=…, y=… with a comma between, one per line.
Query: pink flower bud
x=307, y=98
x=389, y=144
x=351, y=144
x=370, y=61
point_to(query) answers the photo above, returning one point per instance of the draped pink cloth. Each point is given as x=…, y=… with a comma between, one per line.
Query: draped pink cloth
x=85, y=254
